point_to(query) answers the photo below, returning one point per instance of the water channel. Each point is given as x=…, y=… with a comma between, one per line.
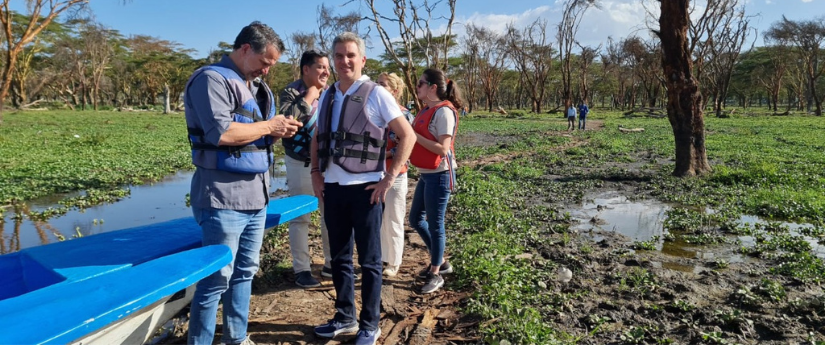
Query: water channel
x=147, y=204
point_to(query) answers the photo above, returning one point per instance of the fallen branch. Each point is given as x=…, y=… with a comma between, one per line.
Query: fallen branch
x=630, y=130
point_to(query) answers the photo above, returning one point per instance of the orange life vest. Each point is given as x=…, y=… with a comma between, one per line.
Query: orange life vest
x=421, y=157
x=391, y=144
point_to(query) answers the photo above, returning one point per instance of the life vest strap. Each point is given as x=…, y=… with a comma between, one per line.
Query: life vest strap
x=234, y=150
x=358, y=138
x=341, y=152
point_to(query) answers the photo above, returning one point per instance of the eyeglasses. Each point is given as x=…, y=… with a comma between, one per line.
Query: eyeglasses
x=422, y=83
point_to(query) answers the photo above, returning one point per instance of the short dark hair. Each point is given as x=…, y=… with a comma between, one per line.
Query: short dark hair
x=308, y=58
x=258, y=35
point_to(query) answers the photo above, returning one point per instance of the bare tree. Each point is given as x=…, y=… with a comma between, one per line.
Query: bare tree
x=470, y=65
x=299, y=42
x=614, y=64
x=411, y=28
x=586, y=58
x=568, y=27
x=98, y=49
x=684, y=100
x=717, y=38
x=330, y=25
x=532, y=53
x=491, y=60
x=16, y=43
x=807, y=37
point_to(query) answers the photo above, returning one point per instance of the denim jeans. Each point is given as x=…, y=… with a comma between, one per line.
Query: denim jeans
x=243, y=232
x=428, y=210
x=352, y=218
x=582, y=122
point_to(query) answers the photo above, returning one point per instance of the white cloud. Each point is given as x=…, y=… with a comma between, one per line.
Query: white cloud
x=807, y=0
x=499, y=22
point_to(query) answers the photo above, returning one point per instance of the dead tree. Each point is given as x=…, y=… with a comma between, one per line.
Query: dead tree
x=410, y=26
x=684, y=100
x=532, y=54
x=490, y=62
x=717, y=38
x=299, y=42
x=566, y=37
x=588, y=55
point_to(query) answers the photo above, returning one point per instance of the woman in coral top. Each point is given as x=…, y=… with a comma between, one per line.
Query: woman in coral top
x=433, y=155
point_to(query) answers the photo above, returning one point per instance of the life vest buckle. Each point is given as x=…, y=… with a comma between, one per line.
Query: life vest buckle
x=338, y=135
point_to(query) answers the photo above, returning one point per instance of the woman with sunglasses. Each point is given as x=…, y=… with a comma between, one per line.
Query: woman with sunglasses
x=433, y=155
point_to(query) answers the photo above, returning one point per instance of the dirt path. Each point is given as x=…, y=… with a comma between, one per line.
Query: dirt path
x=287, y=314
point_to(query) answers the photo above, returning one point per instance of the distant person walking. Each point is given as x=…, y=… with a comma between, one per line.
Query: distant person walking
x=434, y=156
x=299, y=101
x=583, y=110
x=349, y=149
x=571, y=116
x=395, y=207
x=230, y=115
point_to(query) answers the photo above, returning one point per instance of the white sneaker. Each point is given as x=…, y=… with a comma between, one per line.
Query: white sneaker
x=246, y=341
x=391, y=271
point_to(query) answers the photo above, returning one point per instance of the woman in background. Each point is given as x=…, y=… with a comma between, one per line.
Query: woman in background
x=395, y=204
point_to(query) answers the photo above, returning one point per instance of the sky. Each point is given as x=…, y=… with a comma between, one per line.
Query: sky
x=201, y=24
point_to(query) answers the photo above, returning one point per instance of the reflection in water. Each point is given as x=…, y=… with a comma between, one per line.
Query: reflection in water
x=643, y=220
x=146, y=204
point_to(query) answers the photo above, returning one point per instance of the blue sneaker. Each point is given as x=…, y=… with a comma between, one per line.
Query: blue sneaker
x=333, y=328
x=365, y=337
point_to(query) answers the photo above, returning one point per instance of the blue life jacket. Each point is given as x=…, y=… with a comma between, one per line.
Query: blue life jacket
x=253, y=158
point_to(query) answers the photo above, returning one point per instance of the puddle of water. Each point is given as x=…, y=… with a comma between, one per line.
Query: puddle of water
x=147, y=204
x=643, y=220
x=638, y=220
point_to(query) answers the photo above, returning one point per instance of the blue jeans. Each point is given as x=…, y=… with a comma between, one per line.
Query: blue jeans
x=582, y=122
x=243, y=232
x=428, y=210
x=351, y=218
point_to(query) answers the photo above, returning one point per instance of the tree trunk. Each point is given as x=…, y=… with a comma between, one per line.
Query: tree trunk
x=166, y=97
x=684, y=99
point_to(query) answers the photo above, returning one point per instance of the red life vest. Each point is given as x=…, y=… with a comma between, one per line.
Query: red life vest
x=421, y=157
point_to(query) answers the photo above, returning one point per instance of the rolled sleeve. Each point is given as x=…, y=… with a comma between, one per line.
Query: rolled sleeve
x=292, y=104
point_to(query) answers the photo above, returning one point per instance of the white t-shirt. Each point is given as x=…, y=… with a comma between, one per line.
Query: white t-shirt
x=443, y=123
x=381, y=109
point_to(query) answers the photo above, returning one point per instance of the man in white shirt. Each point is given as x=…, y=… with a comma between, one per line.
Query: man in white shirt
x=348, y=172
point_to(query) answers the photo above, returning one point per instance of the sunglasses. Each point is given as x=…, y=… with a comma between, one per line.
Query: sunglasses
x=422, y=83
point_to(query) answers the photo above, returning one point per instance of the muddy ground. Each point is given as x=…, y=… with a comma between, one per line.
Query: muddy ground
x=616, y=296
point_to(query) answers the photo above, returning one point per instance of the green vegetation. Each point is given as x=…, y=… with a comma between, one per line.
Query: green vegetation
x=517, y=181
x=44, y=153
x=770, y=167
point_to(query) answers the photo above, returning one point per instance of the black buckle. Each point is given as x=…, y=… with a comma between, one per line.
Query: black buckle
x=337, y=152
x=338, y=135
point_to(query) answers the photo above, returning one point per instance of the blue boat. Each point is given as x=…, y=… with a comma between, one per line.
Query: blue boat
x=116, y=287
